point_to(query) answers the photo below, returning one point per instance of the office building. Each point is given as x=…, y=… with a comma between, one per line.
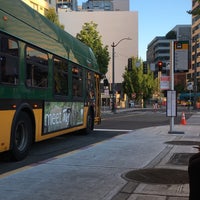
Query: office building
x=194, y=72
x=159, y=49
x=43, y=5
x=40, y=6
x=106, y=5
x=70, y=5
x=95, y=5
x=121, y=5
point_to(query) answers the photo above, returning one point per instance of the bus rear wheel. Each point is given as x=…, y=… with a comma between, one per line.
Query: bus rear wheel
x=21, y=138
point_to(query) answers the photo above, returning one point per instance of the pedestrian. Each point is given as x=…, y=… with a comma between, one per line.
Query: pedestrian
x=155, y=105
x=188, y=104
x=194, y=176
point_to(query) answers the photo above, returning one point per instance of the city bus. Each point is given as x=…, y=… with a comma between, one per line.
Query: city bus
x=49, y=81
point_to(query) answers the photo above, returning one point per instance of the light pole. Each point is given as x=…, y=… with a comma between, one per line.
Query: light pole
x=113, y=72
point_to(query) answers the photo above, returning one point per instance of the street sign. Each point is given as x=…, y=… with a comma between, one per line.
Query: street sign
x=152, y=67
x=167, y=65
x=164, y=82
x=189, y=86
x=181, y=56
x=137, y=64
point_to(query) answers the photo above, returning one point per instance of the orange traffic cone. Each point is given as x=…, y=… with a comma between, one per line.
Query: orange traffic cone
x=183, y=120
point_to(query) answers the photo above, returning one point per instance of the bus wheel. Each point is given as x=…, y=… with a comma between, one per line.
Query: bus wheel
x=90, y=122
x=21, y=138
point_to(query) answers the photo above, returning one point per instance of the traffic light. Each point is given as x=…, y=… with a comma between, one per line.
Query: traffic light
x=160, y=65
x=130, y=65
x=145, y=68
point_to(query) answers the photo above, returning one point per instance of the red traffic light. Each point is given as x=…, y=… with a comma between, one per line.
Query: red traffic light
x=160, y=63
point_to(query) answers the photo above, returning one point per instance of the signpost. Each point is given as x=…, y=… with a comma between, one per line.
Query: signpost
x=178, y=51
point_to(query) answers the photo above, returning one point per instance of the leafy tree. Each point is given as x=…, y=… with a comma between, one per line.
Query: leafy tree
x=143, y=85
x=52, y=16
x=196, y=11
x=90, y=36
x=171, y=35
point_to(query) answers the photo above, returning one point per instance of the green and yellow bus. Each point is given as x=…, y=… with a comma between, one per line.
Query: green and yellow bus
x=49, y=80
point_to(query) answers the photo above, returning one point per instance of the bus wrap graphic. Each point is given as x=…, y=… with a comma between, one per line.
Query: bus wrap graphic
x=62, y=115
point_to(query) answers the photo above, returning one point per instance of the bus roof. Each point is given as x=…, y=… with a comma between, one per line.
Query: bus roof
x=21, y=21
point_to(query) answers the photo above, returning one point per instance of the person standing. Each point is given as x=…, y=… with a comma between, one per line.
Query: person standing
x=155, y=105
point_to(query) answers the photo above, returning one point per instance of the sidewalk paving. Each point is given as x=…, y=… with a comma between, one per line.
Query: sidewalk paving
x=97, y=172
x=166, y=191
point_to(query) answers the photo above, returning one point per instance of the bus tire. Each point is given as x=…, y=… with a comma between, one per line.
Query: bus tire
x=21, y=137
x=90, y=122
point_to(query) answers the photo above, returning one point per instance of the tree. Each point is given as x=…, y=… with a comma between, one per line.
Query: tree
x=53, y=17
x=90, y=36
x=171, y=35
x=135, y=82
x=196, y=11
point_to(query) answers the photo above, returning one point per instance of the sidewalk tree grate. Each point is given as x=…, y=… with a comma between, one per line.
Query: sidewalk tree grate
x=184, y=142
x=180, y=158
x=158, y=176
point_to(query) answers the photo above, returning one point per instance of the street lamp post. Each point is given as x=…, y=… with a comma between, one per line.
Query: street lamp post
x=113, y=72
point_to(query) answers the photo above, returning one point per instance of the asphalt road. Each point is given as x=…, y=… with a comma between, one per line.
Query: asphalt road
x=132, y=120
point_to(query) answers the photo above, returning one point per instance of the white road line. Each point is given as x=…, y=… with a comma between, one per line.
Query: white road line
x=119, y=130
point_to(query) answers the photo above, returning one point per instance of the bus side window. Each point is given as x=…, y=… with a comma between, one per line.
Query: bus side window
x=36, y=68
x=90, y=86
x=9, y=60
x=60, y=77
x=77, y=82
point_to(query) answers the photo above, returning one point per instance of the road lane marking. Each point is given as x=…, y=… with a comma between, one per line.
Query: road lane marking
x=118, y=130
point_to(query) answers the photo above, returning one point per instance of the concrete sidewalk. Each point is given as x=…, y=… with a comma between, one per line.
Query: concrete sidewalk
x=97, y=172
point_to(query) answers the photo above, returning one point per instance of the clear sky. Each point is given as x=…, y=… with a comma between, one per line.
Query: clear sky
x=157, y=17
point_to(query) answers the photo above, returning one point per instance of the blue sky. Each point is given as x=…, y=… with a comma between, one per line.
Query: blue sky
x=157, y=17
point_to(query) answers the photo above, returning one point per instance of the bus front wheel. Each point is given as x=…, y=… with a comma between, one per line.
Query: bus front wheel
x=21, y=138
